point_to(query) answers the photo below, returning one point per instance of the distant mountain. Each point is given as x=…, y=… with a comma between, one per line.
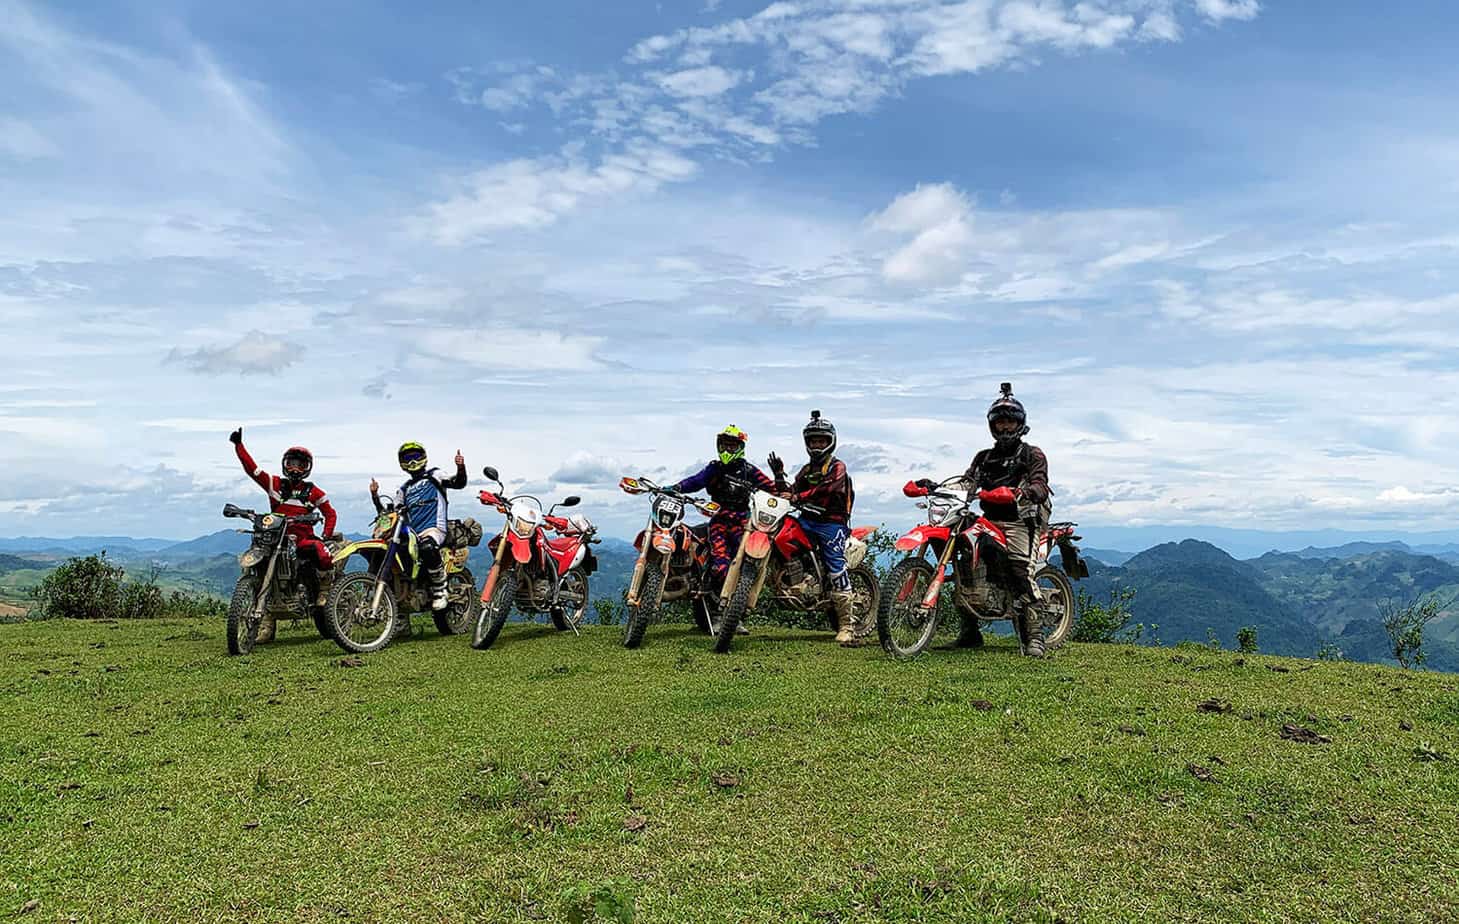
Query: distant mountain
x=1250, y=543
x=1108, y=556
x=1351, y=550
x=223, y=542
x=83, y=545
x=1192, y=588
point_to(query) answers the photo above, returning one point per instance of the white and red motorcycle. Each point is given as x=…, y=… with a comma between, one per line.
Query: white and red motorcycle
x=960, y=536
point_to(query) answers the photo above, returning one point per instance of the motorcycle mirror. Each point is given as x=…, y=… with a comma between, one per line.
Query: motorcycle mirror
x=572, y=500
x=490, y=473
x=232, y=510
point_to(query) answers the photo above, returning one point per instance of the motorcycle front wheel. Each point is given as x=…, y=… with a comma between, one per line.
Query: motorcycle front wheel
x=357, y=624
x=739, y=603
x=494, y=612
x=1056, y=606
x=242, y=626
x=460, y=613
x=903, y=625
x=650, y=589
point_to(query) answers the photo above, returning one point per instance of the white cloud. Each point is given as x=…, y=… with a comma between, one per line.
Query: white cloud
x=256, y=352
x=20, y=140
x=698, y=81
x=536, y=193
x=1218, y=10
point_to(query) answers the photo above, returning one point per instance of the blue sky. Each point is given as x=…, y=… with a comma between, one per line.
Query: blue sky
x=1212, y=243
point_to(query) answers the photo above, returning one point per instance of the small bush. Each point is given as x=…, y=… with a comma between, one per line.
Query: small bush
x=1329, y=652
x=1246, y=640
x=1104, y=622
x=608, y=901
x=609, y=611
x=1405, y=621
x=95, y=588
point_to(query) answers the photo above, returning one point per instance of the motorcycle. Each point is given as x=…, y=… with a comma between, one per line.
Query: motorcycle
x=369, y=609
x=776, y=552
x=532, y=572
x=274, y=581
x=959, y=535
x=673, y=560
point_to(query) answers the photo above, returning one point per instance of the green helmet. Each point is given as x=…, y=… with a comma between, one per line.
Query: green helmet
x=412, y=457
x=730, y=444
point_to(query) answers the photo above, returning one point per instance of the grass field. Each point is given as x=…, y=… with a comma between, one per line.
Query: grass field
x=145, y=775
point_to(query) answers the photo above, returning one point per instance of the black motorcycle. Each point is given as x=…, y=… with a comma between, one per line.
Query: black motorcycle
x=274, y=581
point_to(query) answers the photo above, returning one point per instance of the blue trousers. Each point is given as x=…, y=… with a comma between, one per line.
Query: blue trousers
x=830, y=539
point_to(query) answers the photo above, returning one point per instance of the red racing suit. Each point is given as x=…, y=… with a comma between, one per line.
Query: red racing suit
x=293, y=498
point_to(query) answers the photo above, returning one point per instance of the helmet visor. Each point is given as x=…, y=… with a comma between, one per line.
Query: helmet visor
x=818, y=442
x=727, y=443
x=297, y=464
x=412, y=459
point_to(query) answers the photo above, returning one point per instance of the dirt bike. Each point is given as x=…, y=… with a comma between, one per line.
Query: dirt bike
x=959, y=535
x=776, y=552
x=673, y=561
x=530, y=571
x=369, y=609
x=274, y=580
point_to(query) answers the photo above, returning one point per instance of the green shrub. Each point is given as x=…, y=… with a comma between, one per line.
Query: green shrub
x=95, y=588
x=1246, y=640
x=1105, y=622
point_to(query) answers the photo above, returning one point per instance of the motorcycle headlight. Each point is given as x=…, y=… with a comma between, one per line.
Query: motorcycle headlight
x=940, y=513
x=765, y=519
x=523, y=527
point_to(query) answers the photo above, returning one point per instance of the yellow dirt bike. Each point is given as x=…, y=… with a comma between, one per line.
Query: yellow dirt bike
x=368, y=609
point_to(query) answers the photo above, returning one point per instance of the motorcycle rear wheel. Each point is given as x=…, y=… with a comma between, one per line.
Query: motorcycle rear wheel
x=242, y=627
x=460, y=614
x=739, y=603
x=493, y=613
x=904, y=627
x=865, y=594
x=1056, y=609
x=572, y=599
x=353, y=626
x=649, y=592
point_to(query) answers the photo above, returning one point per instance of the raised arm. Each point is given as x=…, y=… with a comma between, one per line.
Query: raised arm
x=260, y=477
x=321, y=502
x=458, y=481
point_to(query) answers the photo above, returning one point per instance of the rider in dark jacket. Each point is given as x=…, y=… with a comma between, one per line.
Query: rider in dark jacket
x=729, y=480
x=422, y=500
x=1023, y=470
x=824, y=485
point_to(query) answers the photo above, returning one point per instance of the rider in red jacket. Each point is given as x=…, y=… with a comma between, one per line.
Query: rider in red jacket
x=293, y=494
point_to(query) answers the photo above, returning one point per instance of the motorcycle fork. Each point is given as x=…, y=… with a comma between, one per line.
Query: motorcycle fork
x=261, y=601
x=496, y=568
x=934, y=588
x=732, y=576
x=760, y=581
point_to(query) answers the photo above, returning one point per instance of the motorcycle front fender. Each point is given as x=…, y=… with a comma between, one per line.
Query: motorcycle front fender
x=757, y=545
x=919, y=536
x=663, y=541
x=252, y=557
x=520, y=548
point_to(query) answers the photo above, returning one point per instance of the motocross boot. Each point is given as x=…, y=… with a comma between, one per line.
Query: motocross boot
x=439, y=597
x=843, y=601
x=266, y=629
x=970, y=633
x=1030, y=632
x=326, y=584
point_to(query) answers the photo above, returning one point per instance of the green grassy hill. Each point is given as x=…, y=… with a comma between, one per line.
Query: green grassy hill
x=144, y=775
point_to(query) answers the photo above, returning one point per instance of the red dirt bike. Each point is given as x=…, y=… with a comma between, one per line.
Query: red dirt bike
x=673, y=560
x=535, y=573
x=776, y=551
x=959, y=535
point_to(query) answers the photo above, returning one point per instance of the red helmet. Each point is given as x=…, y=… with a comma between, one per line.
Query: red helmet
x=298, y=463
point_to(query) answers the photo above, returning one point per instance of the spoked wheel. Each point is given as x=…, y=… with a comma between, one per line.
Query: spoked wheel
x=1056, y=605
x=460, y=613
x=650, y=591
x=864, y=596
x=734, y=611
x=903, y=625
x=572, y=599
x=493, y=613
x=242, y=625
x=359, y=621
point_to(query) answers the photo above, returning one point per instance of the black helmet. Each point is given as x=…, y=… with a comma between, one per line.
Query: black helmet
x=298, y=462
x=819, y=427
x=1007, y=407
